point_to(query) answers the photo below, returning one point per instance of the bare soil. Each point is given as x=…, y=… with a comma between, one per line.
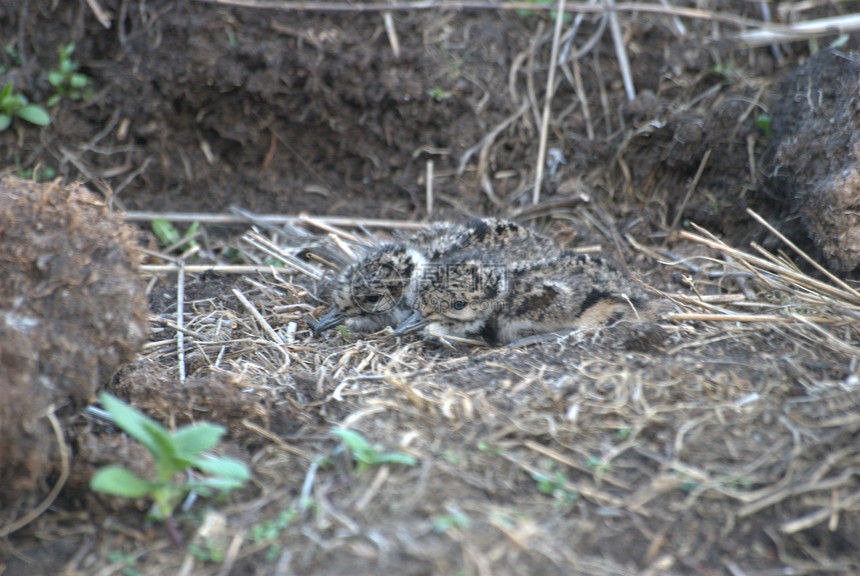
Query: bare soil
x=693, y=445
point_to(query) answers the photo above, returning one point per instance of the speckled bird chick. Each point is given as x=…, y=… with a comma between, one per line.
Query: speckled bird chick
x=501, y=303
x=379, y=289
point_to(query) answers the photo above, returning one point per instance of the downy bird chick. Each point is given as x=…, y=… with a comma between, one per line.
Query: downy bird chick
x=379, y=289
x=501, y=303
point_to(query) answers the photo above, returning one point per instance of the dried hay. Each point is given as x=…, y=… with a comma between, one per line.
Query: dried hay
x=726, y=436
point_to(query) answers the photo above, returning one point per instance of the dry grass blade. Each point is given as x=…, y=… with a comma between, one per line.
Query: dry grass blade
x=805, y=256
x=547, y=105
x=275, y=251
x=800, y=30
x=209, y=218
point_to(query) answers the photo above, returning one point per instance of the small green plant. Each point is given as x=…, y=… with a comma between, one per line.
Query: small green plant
x=439, y=94
x=269, y=531
x=14, y=58
x=67, y=81
x=726, y=71
x=555, y=486
x=16, y=104
x=120, y=557
x=598, y=464
x=207, y=551
x=38, y=174
x=343, y=332
x=168, y=235
x=172, y=454
x=367, y=455
x=763, y=122
x=490, y=450
x=444, y=522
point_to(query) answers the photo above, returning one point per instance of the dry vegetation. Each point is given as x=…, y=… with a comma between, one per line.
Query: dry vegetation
x=723, y=439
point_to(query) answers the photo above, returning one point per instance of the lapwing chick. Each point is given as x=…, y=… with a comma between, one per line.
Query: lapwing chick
x=379, y=289
x=501, y=303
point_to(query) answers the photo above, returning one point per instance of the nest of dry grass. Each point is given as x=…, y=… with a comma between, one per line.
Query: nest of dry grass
x=723, y=436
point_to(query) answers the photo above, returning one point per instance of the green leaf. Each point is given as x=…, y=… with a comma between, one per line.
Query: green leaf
x=357, y=444
x=55, y=78
x=395, y=458
x=34, y=114
x=7, y=89
x=54, y=100
x=5, y=121
x=366, y=454
x=78, y=80
x=218, y=484
x=167, y=497
x=13, y=102
x=119, y=481
x=192, y=440
x=165, y=449
x=131, y=421
x=165, y=231
x=223, y=467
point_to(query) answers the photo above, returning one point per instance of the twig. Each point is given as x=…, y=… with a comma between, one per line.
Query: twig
x=180, y=319
x=621, y=51
x=490, y=137
x=547, y=104
x=429, y=187
x=99, y=13
x=413, y=5
x=750, y=260
x=266, y=327
x=800, y=30
x=209, y=218
x=391, y=31
x=804, y=255
x=198, y=268
x=743, y=318
x=690, y=190
x=263, y=244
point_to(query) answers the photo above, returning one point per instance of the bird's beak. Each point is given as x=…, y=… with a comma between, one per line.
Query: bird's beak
x=330, y=320
x=412, y=324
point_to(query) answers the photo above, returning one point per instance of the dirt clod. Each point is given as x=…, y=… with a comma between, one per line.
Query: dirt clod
x=71, y=312
x=815, y=169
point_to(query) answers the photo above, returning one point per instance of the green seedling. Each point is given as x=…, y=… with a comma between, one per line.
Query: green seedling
x=555, y=486
x=344, y=332
x=39, y=174
x=367, y=455
x=207, y=551
x=15, y=58
x=172, y=453
x=439, y=94
x=726, y=71
x=168, y=235
x=67, y=81
x=270, y=530
x=444, y=522
x=16, y=104
x=763, y=122
x=128, y=560
x=600, y=465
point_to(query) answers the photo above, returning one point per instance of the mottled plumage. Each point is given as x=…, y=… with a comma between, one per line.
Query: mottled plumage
x=476, y=297
x=379, y=289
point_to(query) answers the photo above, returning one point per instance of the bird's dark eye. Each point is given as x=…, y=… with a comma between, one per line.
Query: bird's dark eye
x=373, y=298
x=458, y=305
